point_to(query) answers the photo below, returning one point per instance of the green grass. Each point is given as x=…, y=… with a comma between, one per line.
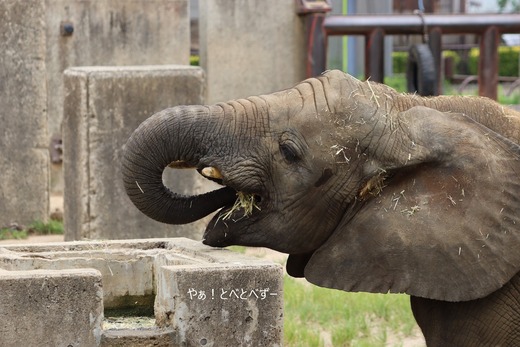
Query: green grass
x=513, y=99
x=397, y=82
x=53, y=227
x=35, y=228
x=238, y=249
x=10, y=234
x=194, y=60
x=349, y=319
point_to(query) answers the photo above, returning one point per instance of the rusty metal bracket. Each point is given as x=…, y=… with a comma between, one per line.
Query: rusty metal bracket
x=312, y=6
x=56, y=150
x=313, y=13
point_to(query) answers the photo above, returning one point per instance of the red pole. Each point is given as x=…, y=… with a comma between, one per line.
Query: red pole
x=488, y=63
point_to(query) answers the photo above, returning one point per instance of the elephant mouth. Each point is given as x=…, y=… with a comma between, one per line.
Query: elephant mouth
x=234, y=213
x=245, y=204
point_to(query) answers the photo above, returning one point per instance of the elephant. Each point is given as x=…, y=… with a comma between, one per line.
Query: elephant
x=365, y=188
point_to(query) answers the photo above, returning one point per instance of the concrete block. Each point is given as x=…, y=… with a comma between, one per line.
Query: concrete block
x=138, y=338
x=107, y=33
x=24, y=157
x=51, y=308
x=199, y=296
x=198, y=301
x=103, y=106
x=250, y=47
x=127, y=280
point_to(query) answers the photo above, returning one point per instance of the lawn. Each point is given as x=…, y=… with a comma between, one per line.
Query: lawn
x=16, y=231
x=323, y=317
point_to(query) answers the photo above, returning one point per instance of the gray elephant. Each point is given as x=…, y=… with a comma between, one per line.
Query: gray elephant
x=366, y=189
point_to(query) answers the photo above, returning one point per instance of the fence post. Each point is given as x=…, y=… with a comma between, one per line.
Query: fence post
x=488, y=63
x=374, y=55
x=435, y=43
x=314, y=13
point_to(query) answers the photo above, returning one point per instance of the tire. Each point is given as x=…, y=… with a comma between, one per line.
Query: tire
x=421, y=77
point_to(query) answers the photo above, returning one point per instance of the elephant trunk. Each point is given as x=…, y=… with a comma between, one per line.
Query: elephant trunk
x=158, y=142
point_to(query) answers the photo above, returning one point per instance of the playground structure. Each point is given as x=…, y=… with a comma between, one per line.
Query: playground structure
x=431, y=27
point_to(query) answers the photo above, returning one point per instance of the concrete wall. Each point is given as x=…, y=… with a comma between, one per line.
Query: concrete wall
x=250, y=47
x=115, y=32
x=36, y=50
x=24, y=154
x=51, y=308
x=200, y=296
x=103, y=106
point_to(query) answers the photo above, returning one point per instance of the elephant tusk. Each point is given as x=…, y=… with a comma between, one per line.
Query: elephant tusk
x=180, y=164
x=211, y=172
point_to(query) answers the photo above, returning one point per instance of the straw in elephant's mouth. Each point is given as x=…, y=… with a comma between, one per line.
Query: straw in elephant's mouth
x=245, y=201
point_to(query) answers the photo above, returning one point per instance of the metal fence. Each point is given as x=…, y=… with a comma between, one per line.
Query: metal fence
x=374, y=27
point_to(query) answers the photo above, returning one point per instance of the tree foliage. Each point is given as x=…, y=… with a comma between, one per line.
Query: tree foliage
x=503, y=4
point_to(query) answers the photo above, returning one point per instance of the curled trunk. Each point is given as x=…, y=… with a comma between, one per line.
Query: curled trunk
x=159, y=142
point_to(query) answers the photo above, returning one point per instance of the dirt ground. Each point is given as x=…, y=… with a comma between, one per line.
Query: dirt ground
x=33, y=239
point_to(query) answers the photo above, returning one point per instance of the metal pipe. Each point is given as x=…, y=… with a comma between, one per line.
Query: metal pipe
x=374, y=27
x=488, y=63
x=435, y=43
x=374, y=55
x=412, y=24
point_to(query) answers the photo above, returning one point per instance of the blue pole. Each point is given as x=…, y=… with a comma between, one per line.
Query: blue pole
x=421, y=6
x=344, y=66
x=352, y=58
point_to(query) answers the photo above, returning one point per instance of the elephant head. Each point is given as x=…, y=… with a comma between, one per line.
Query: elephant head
x=365, y=188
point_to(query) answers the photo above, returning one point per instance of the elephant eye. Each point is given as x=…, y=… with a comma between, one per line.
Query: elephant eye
x=289, y=152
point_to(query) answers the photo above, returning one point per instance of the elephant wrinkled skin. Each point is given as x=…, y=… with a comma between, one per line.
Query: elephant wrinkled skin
x=366, y=189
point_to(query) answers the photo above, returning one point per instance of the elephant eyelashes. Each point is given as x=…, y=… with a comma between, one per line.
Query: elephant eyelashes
x=289, y=152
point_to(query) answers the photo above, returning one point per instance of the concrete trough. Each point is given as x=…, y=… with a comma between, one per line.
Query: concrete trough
x=150, y=292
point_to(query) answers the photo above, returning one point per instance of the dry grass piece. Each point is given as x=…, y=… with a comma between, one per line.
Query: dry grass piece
x=374, y=96
x=374, y=186
x=244, y=201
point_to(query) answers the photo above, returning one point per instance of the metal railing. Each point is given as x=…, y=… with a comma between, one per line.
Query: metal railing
x=374, y=27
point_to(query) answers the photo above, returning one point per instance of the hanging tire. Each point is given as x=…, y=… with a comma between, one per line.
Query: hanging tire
x=420, y=71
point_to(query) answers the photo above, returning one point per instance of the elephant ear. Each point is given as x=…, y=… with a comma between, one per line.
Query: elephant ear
x=445, y=227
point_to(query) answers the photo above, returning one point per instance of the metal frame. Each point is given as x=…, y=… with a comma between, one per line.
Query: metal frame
x=375, y=27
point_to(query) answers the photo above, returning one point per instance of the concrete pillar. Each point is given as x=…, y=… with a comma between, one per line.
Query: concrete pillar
x=250, y=47
x=24, y=154
x=116, y=32
x=107, y=33
x=51, y=308
x=103, y=106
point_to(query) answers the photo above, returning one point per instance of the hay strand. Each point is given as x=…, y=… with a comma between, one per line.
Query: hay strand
x=374, y=96
x=244, y=201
